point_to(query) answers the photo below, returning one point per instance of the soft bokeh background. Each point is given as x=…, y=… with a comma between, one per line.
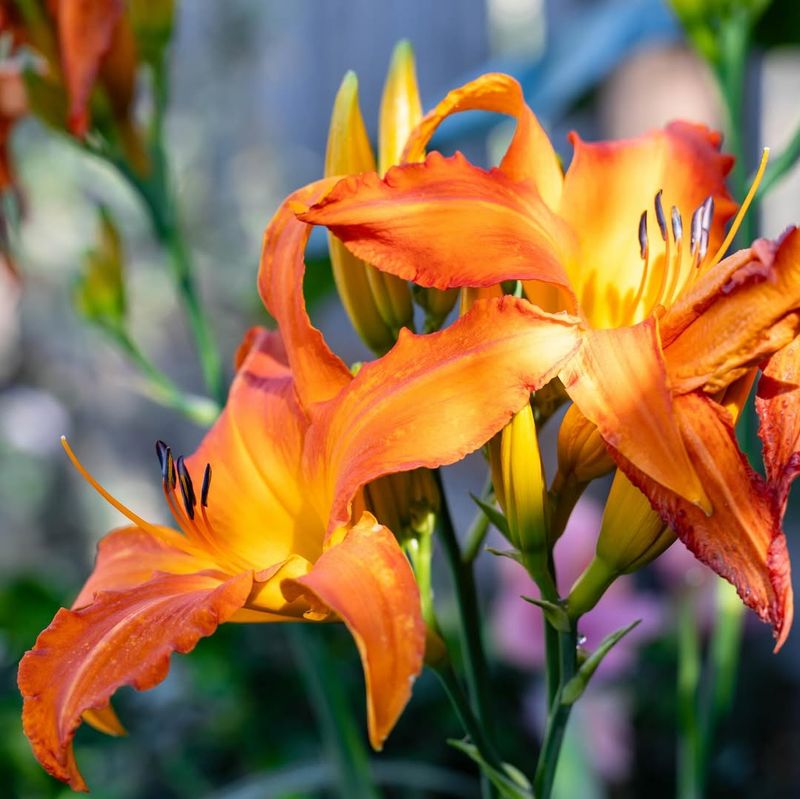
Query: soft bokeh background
x=253, y=84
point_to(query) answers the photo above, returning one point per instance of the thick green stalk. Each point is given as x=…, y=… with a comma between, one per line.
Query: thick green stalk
x=558, y=716
x=467, y=599
x=334, y=716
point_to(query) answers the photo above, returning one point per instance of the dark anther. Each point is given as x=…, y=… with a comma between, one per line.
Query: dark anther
x=708, y=213
x=697, y=227
x=161, y=453
x=187, y=489
x=206, y=486
x=662, y=222
x=677, y=224
x=643, y=235
x=168, y=469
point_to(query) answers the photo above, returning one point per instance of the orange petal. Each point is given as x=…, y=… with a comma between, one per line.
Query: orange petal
x=607, y=187
x=742, y=539
x=740, y=312
x=122, y=638
x=85, y=31
x=318, y=373
x=258, y=509
x=530, y=154
x=617, y=379
x=433, y=399
x=367, y=581
x=446, y=223
x=13, y=105
x=130, y=556
x=778, y=406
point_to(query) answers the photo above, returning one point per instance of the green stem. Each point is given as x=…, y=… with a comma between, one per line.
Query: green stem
x=690, y=746
x=779, y=166
x=552, y=661
x=340, y=734
x=558, y=716
x=467, y=598
x=476, y=536
x=161, y=388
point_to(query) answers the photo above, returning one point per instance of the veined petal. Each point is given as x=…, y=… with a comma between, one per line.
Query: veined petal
x=367, y=581
x=318, y=373
x=85, y=31
x=433, y=399
x=742, y=539
x=778, y=406
x=130, y=556
x=739, y=313
x=122, y=638
x=258, y=503
x=607, y=187
x=446, y=223
x=618, y=380
x=530, y=154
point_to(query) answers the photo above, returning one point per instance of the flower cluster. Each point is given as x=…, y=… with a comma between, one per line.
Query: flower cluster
x=605, y=285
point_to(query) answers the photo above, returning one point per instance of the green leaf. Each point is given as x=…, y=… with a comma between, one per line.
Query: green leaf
x=495, y=516
x=577, y=685
x=554, y=613
x=509, y=780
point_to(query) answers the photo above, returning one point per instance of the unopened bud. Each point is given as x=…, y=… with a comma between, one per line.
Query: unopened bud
x=378, y=305
x=99, y=291
x=632, y=534
x=521, y=489
x=581, y=450
x=406, y=503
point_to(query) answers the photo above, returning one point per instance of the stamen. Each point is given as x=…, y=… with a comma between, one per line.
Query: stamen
x=127, y=512
x=206, y=486
x=168, y=469
x=737, y=222
x=161, y=453
x=697, y=229
x=643, y=244
x=705, y=228
x=662, y=222
x=677, y=225
x=187, y=489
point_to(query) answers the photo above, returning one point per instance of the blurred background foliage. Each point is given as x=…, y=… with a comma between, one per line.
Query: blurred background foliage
x=253, y=84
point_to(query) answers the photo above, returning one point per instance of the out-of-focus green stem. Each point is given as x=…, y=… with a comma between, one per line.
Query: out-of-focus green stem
x=479, y=527
x=340, y=734
x=690, y=744
x=161, y=388
x=558, y=715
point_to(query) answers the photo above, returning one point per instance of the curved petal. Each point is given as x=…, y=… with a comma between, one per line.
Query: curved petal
x=258, y=503
x=607, y=187
x=122, y=638
x=446, y=223
x=433, y=399
x=618, y=380
x=740, y=312
x=367, y=581
x=131, y=556
x=530, y=154
x=742, y=539
x=778, y=406
x=85, y=31
x=318, y=373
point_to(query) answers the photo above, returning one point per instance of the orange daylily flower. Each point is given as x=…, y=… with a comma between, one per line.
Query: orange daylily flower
x=270, y=507
x=630, y=240
x=83, y=43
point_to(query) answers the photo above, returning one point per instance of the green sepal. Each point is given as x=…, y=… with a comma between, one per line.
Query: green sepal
x=496, y=517
x=577, y=685
x=511, y=554
x=509, y=781
x=553, y=612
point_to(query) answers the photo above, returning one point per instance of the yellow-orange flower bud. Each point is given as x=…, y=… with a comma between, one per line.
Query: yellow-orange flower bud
x=581, y=450
x=632, y=534
x=406, y=502
x=521, y=489
x=378, y=305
